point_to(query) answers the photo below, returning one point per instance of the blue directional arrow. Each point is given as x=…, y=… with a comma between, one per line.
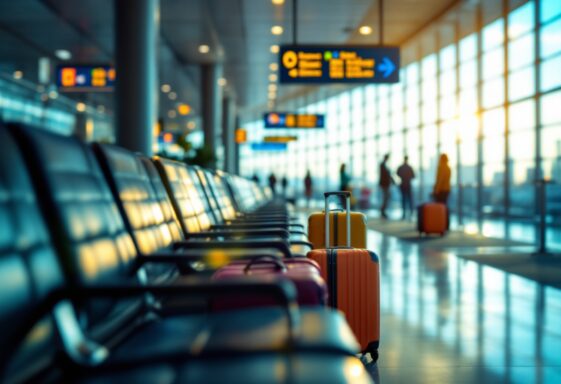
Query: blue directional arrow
x=387, y=67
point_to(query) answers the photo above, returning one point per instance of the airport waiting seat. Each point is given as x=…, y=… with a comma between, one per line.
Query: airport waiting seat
x=190, y=209
x=150, y=217
x=251, y=201
x=29, y=271
x=101, y=268
x=220, y=191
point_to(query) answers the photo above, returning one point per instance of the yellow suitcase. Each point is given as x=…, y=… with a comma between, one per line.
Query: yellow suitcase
x=338, y=228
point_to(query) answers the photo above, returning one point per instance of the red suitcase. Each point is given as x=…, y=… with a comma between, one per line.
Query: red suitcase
x=305, y=275
x=432, y=218
x=353, y=279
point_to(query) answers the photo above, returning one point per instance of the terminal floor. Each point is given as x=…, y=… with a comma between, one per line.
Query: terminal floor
x=445, y=319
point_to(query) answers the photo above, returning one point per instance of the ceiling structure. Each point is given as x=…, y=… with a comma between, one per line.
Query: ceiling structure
x=238, y=33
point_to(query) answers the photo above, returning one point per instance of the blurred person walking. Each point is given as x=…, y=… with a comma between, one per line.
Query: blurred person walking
x=344, y=179
x=385, y=184
x=308, y=187
x=284, y=185
x=273, y=183
x=406, y=174
x=441, y=189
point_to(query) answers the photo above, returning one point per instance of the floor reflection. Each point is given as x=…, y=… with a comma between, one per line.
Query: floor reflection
x=448, y=320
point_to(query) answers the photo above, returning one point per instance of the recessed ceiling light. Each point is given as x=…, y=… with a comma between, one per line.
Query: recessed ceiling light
x=44, y=97
x=183, y=109
x=191, y=125
x=18, y=75
x=273, y=66
x=365, y=30
x=53, y=94
x=81, y=107
x=272, y=95
x=172, y=114
x=272, y=87
x=172, y=95
x=165, y=88
x=276, y=30
x=63, y=54
x=274, y=48
x=272, y=77
x=277, y=2
x=203, y=48
x=222, y=82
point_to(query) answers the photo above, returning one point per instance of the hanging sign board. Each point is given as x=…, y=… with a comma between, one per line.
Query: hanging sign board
x=269, y=146
x=279, y=139
x=85, y=78
x=293, y=120
x=240, y=136
x=314, y=64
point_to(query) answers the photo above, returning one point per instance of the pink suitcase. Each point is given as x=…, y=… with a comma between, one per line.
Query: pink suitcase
x=310, y=286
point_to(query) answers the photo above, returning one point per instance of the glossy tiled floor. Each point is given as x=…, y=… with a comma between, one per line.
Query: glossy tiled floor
x=448, y=320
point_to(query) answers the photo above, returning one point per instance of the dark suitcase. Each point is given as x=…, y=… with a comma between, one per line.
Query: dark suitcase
x=432, y=218
x=353, y=279
x=305, y=274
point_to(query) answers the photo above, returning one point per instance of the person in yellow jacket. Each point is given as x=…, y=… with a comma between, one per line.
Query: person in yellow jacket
x=441, y=188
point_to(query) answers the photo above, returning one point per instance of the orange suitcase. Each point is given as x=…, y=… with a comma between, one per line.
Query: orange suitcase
x=338, y=233
x=432, y=218
x=353, y=280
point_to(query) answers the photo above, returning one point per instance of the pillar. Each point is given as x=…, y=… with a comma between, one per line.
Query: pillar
x=228, y=133
x=211, y=101
x=137, y=29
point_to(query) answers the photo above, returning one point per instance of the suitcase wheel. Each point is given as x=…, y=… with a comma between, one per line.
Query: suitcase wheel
x=372, y=349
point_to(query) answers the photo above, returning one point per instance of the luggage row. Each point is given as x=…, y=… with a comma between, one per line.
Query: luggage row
x=119, y=267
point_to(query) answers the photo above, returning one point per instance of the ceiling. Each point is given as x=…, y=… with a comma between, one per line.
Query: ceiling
x=237, y=31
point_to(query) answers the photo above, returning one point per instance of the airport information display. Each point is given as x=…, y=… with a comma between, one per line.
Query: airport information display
x=269, y=146
x=85, y=78
x=293, y=120
x=279, y=139
x=306, y=64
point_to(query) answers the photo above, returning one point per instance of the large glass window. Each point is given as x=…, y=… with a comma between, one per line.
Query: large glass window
x=426, y=112
x=550, y=9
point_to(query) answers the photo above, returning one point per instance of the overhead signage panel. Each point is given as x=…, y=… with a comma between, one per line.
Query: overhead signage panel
x=240, y=136
x=279, y=139
x=85, y=78
x=293, y=120
x=310, y=64
x=269, y=146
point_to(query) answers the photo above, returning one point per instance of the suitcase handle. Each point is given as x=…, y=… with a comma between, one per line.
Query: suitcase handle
x=280, y=266
x=347, y=196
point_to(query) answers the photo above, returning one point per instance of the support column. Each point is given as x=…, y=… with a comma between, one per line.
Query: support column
x=236, y=169
x=81, y=126
x=211, y=99
x=228, y=133
x=136, y=27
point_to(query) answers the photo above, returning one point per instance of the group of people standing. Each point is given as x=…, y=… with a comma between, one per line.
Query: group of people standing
x=405, y=172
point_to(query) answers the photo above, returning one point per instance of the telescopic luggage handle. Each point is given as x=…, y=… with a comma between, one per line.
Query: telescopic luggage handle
x=347, y=196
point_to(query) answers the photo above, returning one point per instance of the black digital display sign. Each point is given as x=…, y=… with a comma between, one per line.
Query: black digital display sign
x=293, y=120
x=307, y=64
x=85, y=78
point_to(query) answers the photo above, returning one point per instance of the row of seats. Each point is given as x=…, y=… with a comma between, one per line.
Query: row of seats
x=105, y=258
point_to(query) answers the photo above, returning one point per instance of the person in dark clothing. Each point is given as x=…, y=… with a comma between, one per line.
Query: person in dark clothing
x=406, y=174
x=308, y=187
x=344, y=178
x=273, y=183
x=385, y=183
x=284, y=185
x=255, y=178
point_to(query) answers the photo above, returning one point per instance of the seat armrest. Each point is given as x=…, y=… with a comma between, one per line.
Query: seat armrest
x=280, y=245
